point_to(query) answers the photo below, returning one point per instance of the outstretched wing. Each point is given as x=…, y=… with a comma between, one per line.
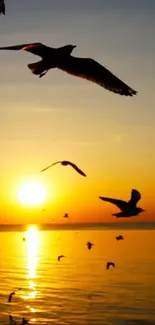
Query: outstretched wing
x=57, y=162
x=122, y=205
x=93, y=71
x=2, y=7
x=60, y=256
x=76, y=168
x=135, y=197
x=34, y=48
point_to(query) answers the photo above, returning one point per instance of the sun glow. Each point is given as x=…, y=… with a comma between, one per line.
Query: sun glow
x=32, y=193
x=32, y=242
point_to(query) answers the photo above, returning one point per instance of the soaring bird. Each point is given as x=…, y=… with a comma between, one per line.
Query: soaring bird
x=12, y=321
x=24, y=321
x=110, y=264
x=89, y=245
x=66, y=215
x=120, y=237
x=128, y=209
x=2, y=7
x=65, y=163
x=12, y=293
x=62, y=59
x=59, y=257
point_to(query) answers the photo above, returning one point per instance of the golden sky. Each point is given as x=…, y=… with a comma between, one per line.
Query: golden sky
x=58, y=117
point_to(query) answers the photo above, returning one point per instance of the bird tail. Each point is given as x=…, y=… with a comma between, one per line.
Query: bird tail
x=37, y=68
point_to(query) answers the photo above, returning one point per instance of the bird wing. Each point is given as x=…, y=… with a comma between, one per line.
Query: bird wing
x=76, y=168
x=93, y=71
x=2, y=7
x=10, y=296
x=57, y=162
x=122, y=205
x=34, y=48
x=59, y=257
x=135, y=197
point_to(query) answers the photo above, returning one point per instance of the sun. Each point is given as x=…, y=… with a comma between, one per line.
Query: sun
x=32, y=193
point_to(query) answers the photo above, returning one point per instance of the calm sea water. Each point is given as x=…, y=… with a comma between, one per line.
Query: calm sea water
x=78, y=289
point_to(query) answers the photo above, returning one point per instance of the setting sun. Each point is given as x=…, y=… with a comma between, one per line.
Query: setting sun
x=32, y=193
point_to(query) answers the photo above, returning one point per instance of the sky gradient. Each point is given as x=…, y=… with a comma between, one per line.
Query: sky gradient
x=59, y=117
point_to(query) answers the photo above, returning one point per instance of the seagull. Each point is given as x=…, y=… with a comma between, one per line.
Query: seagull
x=2, y=7
x=59, y=257
x=12, y=293
x=24, y=321
x=65, y=163
x=62, y=59
x=10, y=296
x=89, y=244
x=110, y=264
x=120, y=237
x=128, y=209
x=12, y=322
x=66, y=215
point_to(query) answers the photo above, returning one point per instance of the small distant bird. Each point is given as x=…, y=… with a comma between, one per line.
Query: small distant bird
x=65, y=163
x=10, y=296
x=89, y=245
x=24, y=321
x=120, y=237
x=59, y=257
x=2, y=7
x=12, y=321
x=62, y=59
x=110, y=264
x=128, y=209
x=12, y=293
x=66, y=215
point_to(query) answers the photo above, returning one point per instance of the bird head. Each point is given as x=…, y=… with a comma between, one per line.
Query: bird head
x=68, y=49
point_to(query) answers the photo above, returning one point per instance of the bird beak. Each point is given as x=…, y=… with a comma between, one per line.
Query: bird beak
x=74, y=46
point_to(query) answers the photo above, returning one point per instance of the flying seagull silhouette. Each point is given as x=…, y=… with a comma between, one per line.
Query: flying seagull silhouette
x=66, y=215
x=2, y=7
x=89, y=245
x=65, y=163
x=128, y=209
x=24, y=321
x=12, y=293
x=62, y=59
x=59, y=257
x=110, y=264
x=120, y=237
x=12, y=321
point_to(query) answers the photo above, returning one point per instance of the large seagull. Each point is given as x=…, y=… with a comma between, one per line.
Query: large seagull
x=128, y=209
x=62, y=59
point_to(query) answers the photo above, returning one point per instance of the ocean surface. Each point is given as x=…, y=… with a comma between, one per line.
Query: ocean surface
x=78, y=289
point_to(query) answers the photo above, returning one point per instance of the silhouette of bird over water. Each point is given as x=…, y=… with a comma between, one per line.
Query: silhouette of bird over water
x=128, y=209
x=66, y=215
x=24, y=321
x=120, y=237
x=62, y=59
x=12, y=321
x=65, y=163
x=89, y=245
x=110, y=264
x=59, y=257
x=2, y=7
x=12, y=293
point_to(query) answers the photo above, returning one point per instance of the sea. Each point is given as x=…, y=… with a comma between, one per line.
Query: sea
x=78, y=289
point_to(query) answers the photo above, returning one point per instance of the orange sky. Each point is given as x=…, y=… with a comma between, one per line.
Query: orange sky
x=111, y=138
